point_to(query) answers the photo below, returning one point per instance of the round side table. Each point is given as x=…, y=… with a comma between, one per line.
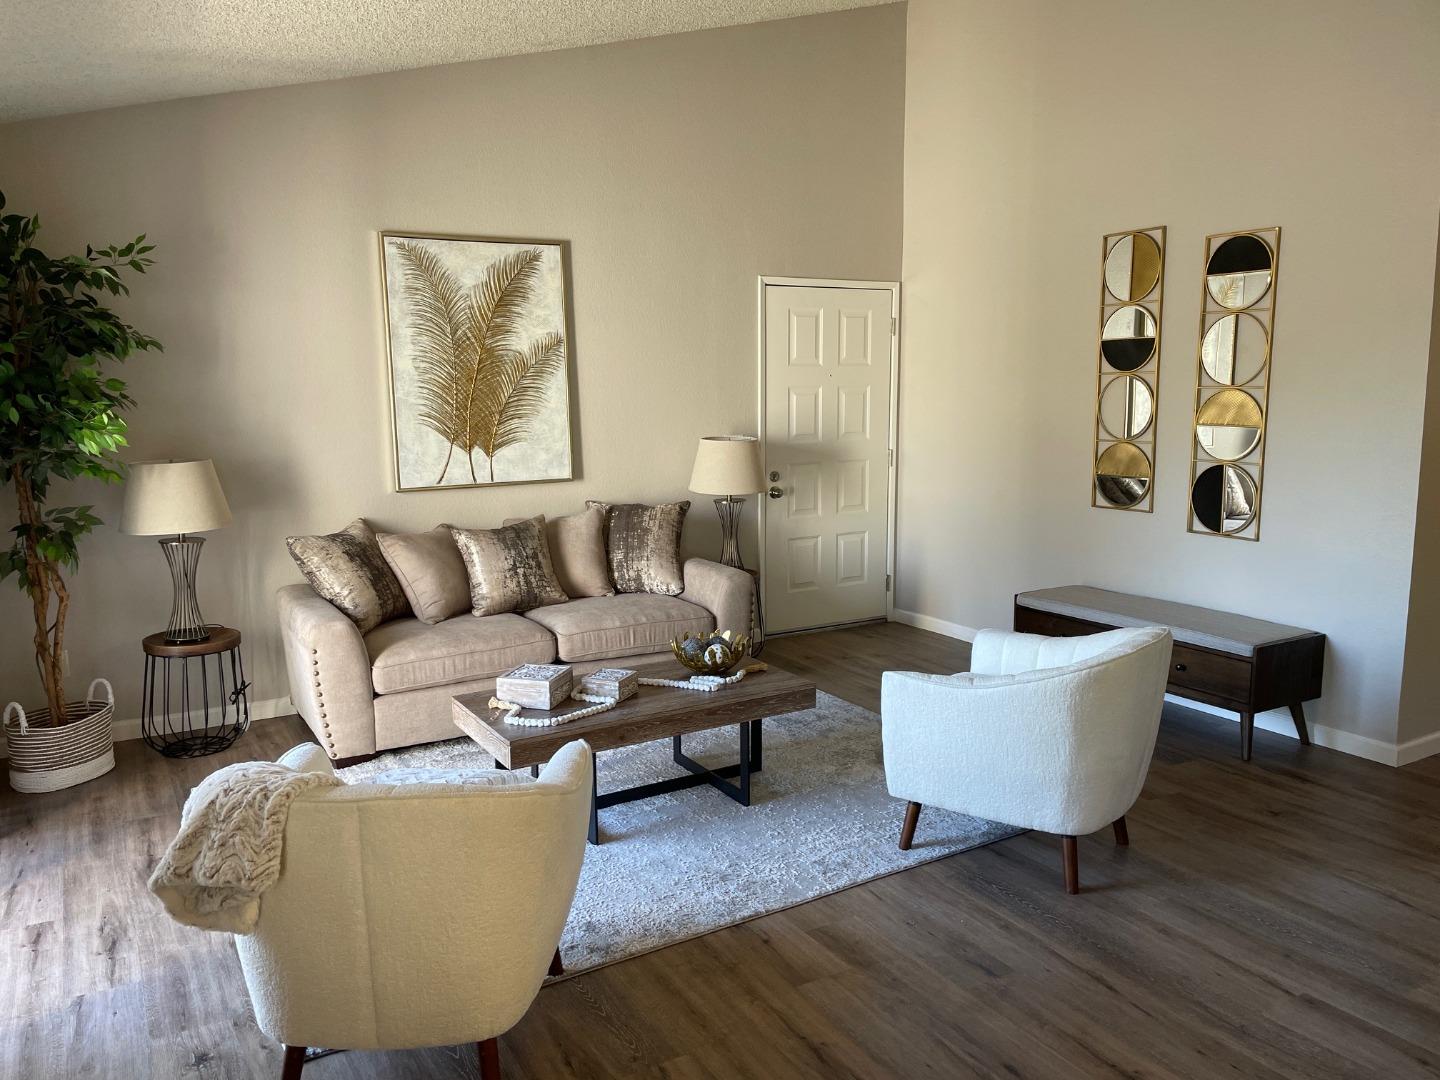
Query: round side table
x=188, y=708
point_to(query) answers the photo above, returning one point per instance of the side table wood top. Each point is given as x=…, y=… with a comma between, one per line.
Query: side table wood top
x=221, y=639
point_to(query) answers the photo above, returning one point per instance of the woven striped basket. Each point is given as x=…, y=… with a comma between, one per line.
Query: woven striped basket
x=45, y=758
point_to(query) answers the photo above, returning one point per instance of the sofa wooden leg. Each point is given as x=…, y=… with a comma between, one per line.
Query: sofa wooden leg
x=557, y=966
x=294, y=1062
x=907, y=831
x=346, y=762
x=1122, y=834
x=489, y=1059
x=1072, y=864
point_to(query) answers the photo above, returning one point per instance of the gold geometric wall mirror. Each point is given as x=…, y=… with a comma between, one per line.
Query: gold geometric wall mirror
x=1132, y=266
x=1127, y=407
x=1123, y=474
x=1232, y=382
x=1239, y=270
x=1127, y=340
x=1234, y=349
x=1228, y=425
x=1223, y=498
x=1127, y=375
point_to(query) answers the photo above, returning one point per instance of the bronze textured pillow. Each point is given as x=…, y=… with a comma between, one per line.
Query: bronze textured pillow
x=430, y=570
x=509, y=567
x=643, y=544
x=348, y=569
x=577, y=550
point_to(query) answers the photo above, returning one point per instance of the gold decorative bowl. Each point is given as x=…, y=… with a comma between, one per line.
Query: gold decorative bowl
x=710, y=653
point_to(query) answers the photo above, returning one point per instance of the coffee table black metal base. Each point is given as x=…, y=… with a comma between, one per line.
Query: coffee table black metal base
x=752, y=757
x=752, y=748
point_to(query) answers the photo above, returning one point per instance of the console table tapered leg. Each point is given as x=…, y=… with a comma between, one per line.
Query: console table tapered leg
x=1297, y=713
x=1247, y=734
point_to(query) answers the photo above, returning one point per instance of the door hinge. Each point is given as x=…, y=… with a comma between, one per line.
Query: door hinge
x=894, y=325
x=887, y=582
x=890, y=458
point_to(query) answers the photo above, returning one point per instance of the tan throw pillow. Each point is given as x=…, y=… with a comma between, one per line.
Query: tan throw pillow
x=577, y=550
x=347, y=569
x=643, y=545
x=430, y=570
x=509, y=567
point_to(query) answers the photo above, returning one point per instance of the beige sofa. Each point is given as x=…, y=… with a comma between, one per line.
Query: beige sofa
x=391, y=687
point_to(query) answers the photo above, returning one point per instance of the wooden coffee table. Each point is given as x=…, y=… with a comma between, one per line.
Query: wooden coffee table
x=655, y=712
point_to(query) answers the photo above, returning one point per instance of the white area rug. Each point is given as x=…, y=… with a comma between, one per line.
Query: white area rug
x=684, y=864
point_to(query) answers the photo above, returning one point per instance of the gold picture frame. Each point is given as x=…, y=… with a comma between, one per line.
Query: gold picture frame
x=478, y=344
x=1127, y=378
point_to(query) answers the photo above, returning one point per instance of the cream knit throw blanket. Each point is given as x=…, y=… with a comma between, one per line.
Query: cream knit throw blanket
x=227, y=852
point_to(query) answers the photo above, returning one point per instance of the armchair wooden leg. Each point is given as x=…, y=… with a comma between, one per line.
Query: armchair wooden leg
x=1122, y=834
x=557, y=967
x=294, y=1062
x=907, y=831
x=1072, y=864
x=489, y=1059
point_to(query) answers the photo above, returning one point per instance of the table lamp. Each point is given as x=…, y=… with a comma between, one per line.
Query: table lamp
x=729, y=466
x=172, y=500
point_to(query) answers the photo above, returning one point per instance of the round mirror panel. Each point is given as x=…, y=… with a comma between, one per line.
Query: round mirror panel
x=1228, y=425
x=1223, y=498
x=1132, y=266
x=1122, y=474
x=1239, y=271
x=1126, y=407
x=1128, y=338
x=1234, y=349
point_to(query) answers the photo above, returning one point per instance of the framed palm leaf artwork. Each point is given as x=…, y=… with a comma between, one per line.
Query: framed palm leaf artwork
x=479, y=386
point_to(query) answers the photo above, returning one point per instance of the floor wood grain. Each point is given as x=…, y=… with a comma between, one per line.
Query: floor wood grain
x=1277, y=919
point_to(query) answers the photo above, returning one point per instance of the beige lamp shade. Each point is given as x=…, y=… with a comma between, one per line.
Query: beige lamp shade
x=727, y=465
x=165, y=497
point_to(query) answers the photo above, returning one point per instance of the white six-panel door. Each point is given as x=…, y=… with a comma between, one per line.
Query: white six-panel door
x=827, y=454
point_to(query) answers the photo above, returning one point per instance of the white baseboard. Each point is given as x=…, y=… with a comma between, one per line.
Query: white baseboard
x=130, y=729
x=1346, y=742
x=934, y=625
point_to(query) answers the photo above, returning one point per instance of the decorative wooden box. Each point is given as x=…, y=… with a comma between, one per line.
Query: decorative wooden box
x=610, y=682
x=536, y=686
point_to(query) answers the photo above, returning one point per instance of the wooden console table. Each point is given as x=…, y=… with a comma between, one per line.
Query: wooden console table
x=1229, y=661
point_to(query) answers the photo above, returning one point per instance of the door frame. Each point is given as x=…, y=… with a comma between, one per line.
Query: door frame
x=893, y=287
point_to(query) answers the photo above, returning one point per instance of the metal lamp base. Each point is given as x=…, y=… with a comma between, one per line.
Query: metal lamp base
x=186, y=623
x=729, y=507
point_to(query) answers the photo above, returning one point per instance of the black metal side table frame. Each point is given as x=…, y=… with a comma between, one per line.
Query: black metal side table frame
x=177, y=716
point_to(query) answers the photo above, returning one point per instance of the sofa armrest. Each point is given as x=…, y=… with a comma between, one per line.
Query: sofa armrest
x=725, y=592
x=330, y=684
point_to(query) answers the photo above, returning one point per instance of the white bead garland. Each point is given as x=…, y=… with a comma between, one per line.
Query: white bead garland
x=706, y=683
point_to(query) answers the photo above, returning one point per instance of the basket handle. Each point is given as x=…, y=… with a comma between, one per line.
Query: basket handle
x=109, y=691
x=15, y=706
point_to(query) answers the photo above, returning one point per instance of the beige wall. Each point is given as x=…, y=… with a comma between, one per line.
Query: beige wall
x=1420, y=692
x=1032, y=129
x=679, y=168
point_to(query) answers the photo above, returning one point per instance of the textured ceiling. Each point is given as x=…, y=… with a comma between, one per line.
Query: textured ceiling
x=63, y=56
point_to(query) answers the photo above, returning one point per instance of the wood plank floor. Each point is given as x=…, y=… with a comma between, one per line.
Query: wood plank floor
x=1276, y=919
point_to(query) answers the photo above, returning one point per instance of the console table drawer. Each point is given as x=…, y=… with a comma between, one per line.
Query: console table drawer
x=1198, y=669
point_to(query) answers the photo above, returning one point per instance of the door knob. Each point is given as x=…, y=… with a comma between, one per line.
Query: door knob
x=775, y=493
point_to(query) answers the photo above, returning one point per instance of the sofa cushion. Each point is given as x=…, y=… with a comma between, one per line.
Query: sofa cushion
x=430, y=570
x=509, y=567
x=408, y=654
x=347, y=569
x=624, y=625
x=577, y=550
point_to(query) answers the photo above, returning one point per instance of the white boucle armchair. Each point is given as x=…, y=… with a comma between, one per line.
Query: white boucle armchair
x=1053, y=734
x=416, y=914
